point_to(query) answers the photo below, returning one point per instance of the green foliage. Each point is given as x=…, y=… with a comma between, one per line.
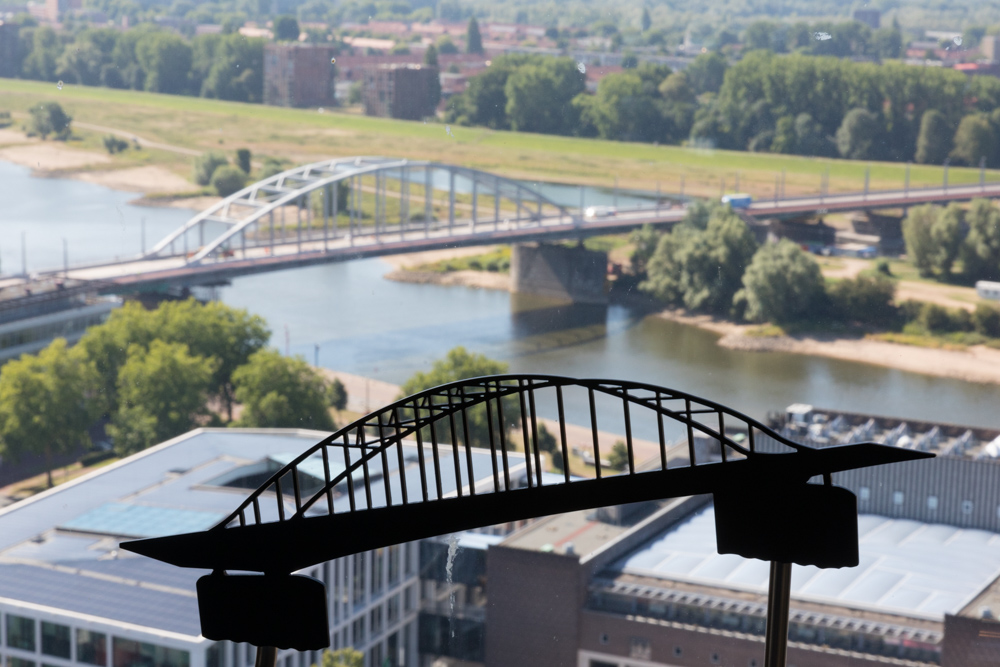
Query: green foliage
x=164, y=388
x=707, y=72
x=946, y=234
x=286, y=29
x=864, y=299
x=981, y=250
x=783, y=284
x=205, y=166
x=165, y=58
x=917, y=234
x=546, y=441
x=618, y=458
x=133, y=429
x=279, y=391
x=459, y=364
x=644, y=241
x=113, y=144
x=228, y=180
x=701, y=270
x=5, y=119
x=473, y=38
x=986, y=319
x=243, y=156
x=49, y=118
x=539, y=96
x=934, y=141
x=628, y=106
x=975, y=140
x=431, y=56
x=345, y=657
x=336, y=394
x=858, y=135
x=883, y=267
x=46, y=403
x=445, y=46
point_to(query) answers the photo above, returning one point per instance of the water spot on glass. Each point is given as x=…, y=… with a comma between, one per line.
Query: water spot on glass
x=582, y=68
x=958, y=40
x=333, y=61
x=822, y=36
x=59, y=85
x=321, y=110
x=447, y=130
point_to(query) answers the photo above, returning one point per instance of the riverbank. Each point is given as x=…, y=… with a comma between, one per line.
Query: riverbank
x=406, y=269
x=976, y=363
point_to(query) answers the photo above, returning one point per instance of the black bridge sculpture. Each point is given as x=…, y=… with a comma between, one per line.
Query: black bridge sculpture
x=381, y=484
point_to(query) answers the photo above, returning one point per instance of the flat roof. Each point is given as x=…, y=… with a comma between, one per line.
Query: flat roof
x=907, y=567
x=59, y=549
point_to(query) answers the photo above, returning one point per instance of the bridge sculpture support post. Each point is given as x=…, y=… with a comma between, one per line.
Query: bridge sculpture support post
x=560, y=273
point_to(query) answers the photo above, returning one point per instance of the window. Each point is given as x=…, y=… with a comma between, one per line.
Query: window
x=932, y=502
x=715, y=659
x=359, y=578
x=378, y=564
x=394, y=564
x=897, y=497
x=91, y=647
x=128, y=653
x=18, y=662
x=392, y=610
x=55, y=640
x=678, y=651
x=601, y=663
x=213, y=655
x=408, y=558
x=408, y=596
x=20, y=632
x=376, y=620
x=604, y=638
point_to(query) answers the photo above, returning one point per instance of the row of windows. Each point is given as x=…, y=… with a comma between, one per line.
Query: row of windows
x=898, y=498
x=91, y=647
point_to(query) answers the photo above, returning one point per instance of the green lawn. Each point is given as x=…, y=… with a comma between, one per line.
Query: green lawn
x=302, y=135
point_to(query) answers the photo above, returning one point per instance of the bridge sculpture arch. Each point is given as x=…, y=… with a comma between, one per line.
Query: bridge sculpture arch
x=378, y=481
x=353, y=197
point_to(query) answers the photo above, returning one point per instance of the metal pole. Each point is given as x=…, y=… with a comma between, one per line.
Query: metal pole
x=616, y=190
x=657, y=197
x=906, y=182
x=782, y=183
x=945, y=185
x=316, y=355
x=143, y=233
x=776, y=635
x=451, y=200
x=267, y=656
x=24, y=255
x=581, y=203
x=65, y=258
x=682, y=185
x=982, y=173
x=868, y=172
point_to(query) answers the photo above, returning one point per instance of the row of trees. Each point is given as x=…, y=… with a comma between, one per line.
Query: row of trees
x=937, y=239
x=153, y=374
x=228, y=67
x=797, y=104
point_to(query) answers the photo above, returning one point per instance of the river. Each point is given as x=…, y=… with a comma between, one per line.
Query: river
x=364, y=324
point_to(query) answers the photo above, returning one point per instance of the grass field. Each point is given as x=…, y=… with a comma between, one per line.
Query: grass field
x=303, y=135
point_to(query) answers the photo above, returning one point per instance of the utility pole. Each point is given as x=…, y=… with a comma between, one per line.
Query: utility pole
x=24, y=256
x=982, y=173
x=288, y=340
x=945, y=185
x=906, y=182
x=616, y=190
x=143, y=233
x=316, y=355
x=65, y=258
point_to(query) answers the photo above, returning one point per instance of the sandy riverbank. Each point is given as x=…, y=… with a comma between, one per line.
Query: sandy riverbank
x=974, y=364
x=406, y=269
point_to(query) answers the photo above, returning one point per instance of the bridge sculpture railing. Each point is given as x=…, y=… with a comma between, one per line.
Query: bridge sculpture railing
x=380, y=481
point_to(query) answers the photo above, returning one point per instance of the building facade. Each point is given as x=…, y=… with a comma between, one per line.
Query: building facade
x=299, y=75
x=405, y=91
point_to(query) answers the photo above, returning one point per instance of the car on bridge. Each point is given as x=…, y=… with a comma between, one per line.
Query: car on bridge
x=600, y=212
x=741, y=200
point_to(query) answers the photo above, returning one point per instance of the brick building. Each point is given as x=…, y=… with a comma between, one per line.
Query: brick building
x=299, y=75
x=405, y=91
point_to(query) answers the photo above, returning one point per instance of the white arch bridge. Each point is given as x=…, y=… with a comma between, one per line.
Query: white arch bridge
x=355, y=207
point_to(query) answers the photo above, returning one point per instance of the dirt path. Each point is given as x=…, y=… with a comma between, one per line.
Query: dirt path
x=145, y=143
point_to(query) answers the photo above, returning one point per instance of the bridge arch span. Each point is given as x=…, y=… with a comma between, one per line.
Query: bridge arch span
x=352, y=197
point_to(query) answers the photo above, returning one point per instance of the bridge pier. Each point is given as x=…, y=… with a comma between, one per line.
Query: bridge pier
x=573, y=274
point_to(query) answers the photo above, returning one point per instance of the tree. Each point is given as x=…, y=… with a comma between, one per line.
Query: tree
x=917, y=234
x=782, y=284
x=434, y=93
x=166, y=60
x=707, y=72
x=431, y=56
x=679, y=105
x=946, y=234
x=228, y=180
x=484, y=101
x=345, y=657
x=644, y=240
x=865, y=299
x=647, y=21
x=981, y=250
x=934, y=140
x=473, y=39
x=627, y=106
x=459, y=364
x=858, y=136
x=702, y=270
x=618, y=458
x=205, y=166
x=286, y=29
x=280, y=391
x=445, y=46
x=46, y=403
x=975, y=140
x=243, y=156
x=337, y=394
x=41, y=60
x=49, y=118
x=166, y=383
x=229, y=67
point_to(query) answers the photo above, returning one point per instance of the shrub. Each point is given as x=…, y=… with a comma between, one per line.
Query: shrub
x=865, y=299
x=882, y=266
x=986, y=320
x=5, y=119
x=205, y=166
x=243, y=159
x=938, y=319
x=227, y=180
x=49, y=118
x=114, y=145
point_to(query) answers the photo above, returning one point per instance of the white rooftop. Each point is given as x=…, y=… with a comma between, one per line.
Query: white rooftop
x=908, y=567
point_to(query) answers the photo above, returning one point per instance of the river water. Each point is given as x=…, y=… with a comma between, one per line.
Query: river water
x=364, y=324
